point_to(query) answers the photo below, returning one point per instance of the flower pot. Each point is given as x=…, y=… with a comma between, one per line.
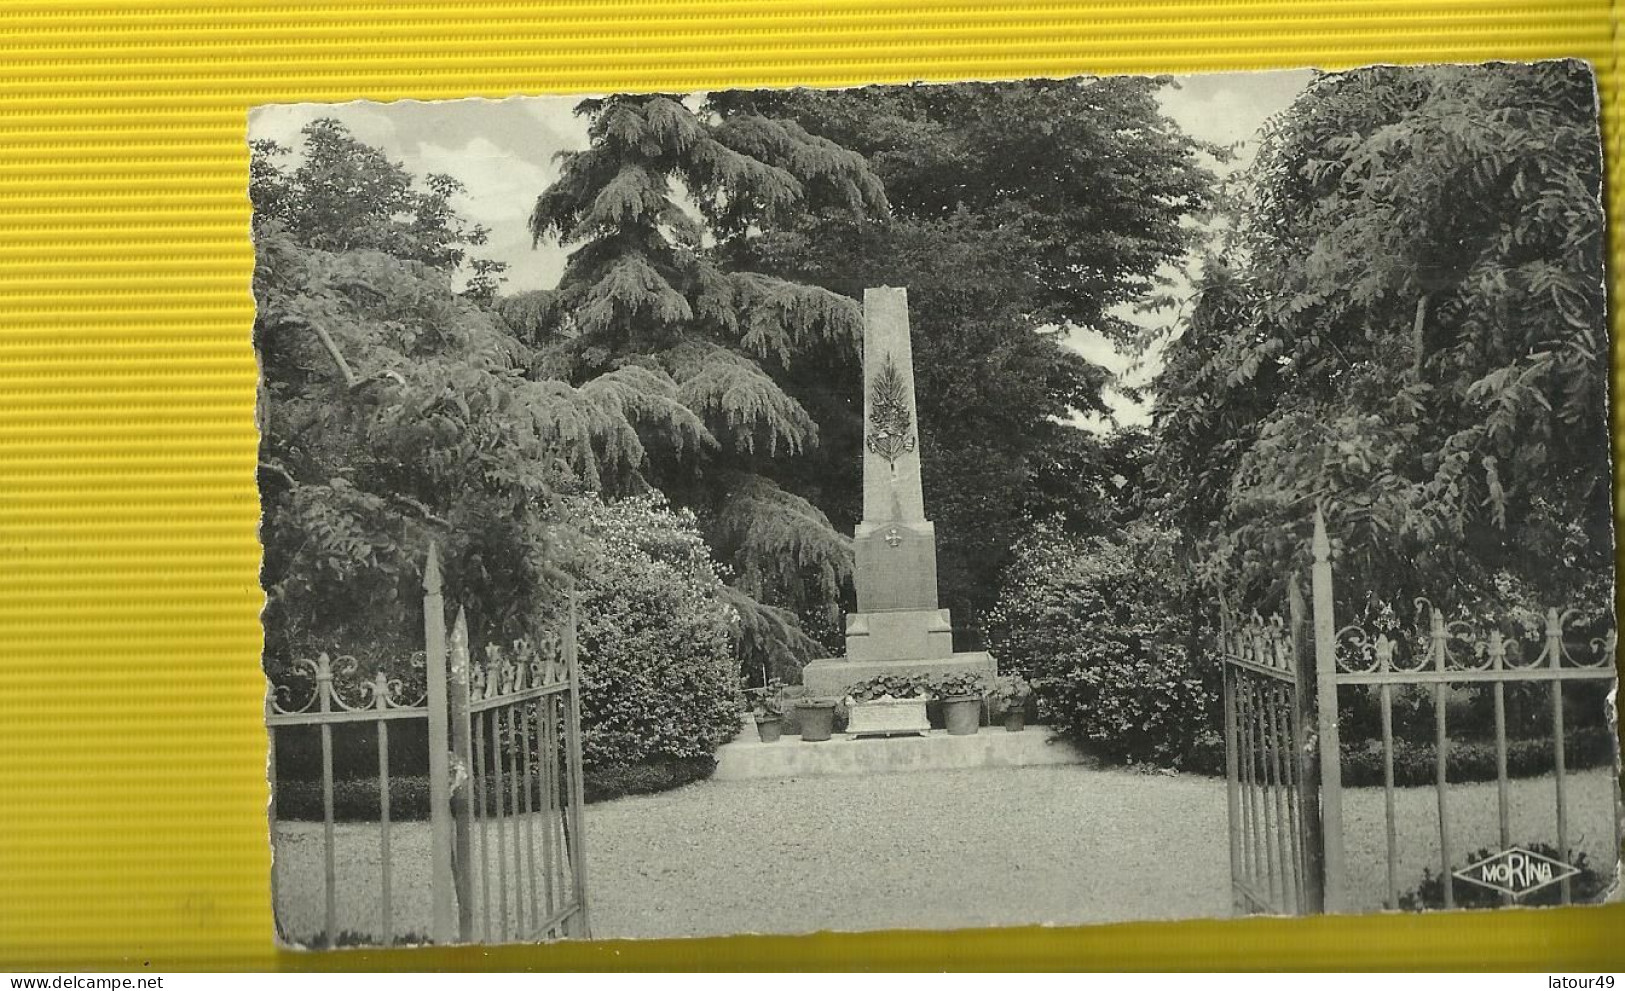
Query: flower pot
x=817, y=720
x=769, y=729
x=962, y=714
x=1015, y=720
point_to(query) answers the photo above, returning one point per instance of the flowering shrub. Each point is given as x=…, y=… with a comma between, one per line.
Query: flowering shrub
x=1094, y=625
x=659, y=678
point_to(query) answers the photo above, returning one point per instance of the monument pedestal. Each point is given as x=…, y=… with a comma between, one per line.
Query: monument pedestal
x=902, y=634
x=830, y=676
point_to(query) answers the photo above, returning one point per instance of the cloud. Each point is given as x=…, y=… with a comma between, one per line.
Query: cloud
x=505, y=153
x=500, y=191
x=369, y=122
x=1228, y=108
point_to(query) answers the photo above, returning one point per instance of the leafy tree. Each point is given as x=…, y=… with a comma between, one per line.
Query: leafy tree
x=346, y=195
x=395, y=412
x=689, y=342
x=1018, y=209
x=1407, y=329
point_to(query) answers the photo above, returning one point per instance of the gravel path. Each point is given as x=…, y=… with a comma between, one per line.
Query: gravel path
x=948, y=849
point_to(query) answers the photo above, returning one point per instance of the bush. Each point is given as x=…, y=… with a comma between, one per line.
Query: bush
x=1586, y=886
x=608, y=783
x=1095, y=626
x=356, y=800
x=659, y=678
x=1126, y=700
x=1473, y=760
x=349, y=938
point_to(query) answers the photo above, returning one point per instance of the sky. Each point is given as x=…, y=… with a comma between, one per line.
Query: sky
x=505, y=153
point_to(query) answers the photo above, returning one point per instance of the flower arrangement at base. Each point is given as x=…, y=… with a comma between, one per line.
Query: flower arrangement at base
x=887, y=704
x=767, y=705
x=961, y=694
x=1009, y=693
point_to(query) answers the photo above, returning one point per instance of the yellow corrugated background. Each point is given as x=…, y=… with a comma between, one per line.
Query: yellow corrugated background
x=132, y=829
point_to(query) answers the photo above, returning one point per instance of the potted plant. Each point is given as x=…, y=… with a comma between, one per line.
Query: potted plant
x=767, y=703
x=817, y=718
x=1011, y=692
x=961, y=697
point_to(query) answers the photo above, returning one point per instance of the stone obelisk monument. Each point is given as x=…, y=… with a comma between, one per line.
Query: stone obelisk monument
x=898, y=627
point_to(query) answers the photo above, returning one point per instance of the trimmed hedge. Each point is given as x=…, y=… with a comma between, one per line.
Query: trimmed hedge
x=1467, y=761
x=1474, y=760
x=349, y=938
x=606, y=783
x=356, y=800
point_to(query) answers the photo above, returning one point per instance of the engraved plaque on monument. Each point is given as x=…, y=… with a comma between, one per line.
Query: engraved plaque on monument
x=898, y=626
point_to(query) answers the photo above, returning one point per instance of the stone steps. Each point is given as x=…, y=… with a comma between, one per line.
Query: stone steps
x=791, y=757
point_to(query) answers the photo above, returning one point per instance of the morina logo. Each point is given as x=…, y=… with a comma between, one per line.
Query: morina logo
x=1516, y=872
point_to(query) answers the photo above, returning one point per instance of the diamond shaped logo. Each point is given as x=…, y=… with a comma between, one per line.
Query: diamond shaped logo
x=1516, y=872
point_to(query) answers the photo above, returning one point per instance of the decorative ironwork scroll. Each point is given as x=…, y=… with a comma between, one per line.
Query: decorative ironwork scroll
x=890, y=423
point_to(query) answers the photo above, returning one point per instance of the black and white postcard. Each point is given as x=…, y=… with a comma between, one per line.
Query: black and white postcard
x=1054, y=501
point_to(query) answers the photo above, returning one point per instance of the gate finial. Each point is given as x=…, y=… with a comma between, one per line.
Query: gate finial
x=431, y=571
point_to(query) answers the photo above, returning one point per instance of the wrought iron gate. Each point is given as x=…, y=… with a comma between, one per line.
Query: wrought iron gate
x=1271, y=772
x=516, y=738
x=1283, y=751
x=506, y=841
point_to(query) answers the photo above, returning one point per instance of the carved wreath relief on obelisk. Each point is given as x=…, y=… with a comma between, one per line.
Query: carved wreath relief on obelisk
x=891, y=425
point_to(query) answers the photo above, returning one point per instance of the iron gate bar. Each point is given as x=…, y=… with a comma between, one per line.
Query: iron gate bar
x=578, y=859
x=334, y=718
x=1271, y=827
x=1232, y=771
x=1254, y=667
x=1554, y=650
x=1391, y=829
x=1272, y=819
x=270, y=807
x=1307, y=754
x=1470, y=677
x=462, y=797
x=481, y=786
x=1286, y=797
x=324, y=685
x=1252, y=781
x=522, y=717
x=442, y=883
x=518, y=823
x=386, y=917
x=550, y=787
x=526, y=695
x=1334, y=869
x=1497, y=650
x=493, y=718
